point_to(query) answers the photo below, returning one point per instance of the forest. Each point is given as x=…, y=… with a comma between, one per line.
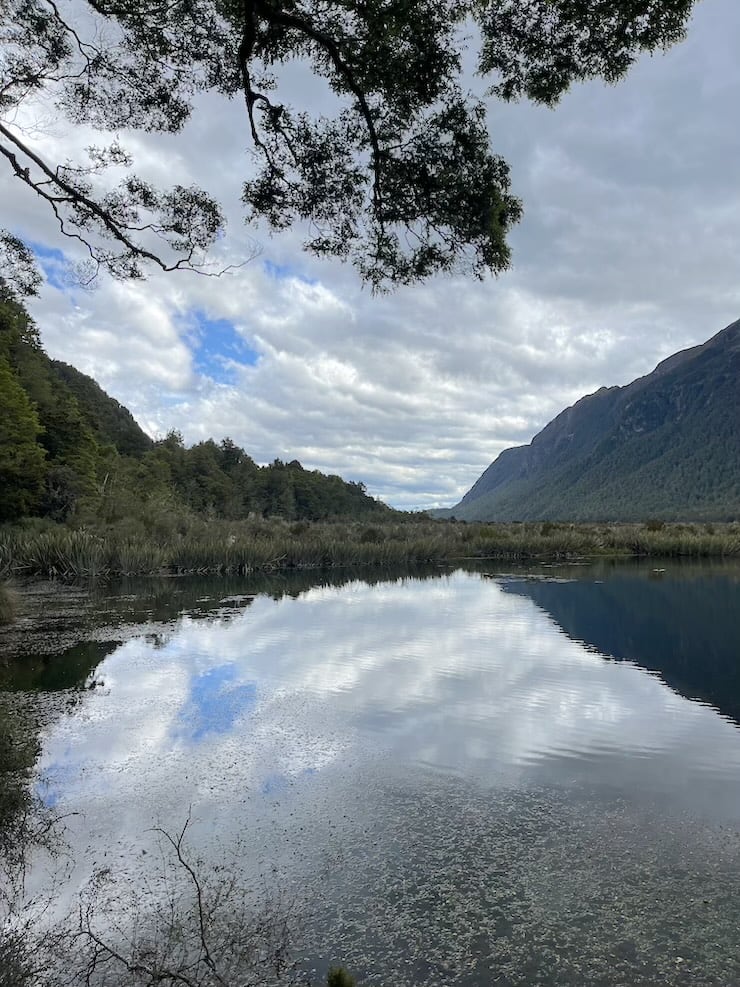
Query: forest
x=86, y=493
x=69, y=453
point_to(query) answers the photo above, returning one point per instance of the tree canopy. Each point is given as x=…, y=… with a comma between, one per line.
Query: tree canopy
x=70, y=453
x=400, y=177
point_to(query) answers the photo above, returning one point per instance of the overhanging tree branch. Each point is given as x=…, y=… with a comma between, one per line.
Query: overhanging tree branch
x=398, y=176
x=74, y=196
x=330, y=46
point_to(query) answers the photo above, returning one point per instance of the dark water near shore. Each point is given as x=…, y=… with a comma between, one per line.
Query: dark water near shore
x=473, y=777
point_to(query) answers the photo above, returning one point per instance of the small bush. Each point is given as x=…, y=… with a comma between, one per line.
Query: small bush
x=339, y=977
x=371, y=535
x=654, y=524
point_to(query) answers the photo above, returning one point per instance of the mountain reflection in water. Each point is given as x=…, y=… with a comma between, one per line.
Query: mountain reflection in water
x=464, y=783
x=683, y=622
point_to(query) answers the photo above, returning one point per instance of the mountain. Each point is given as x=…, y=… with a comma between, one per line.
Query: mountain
x=665, y=446
x=111, y=423
x=71, y=453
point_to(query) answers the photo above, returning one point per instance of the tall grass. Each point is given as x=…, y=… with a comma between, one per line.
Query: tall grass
x=265, y=545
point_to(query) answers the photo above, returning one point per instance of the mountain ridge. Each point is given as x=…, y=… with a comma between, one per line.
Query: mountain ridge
x=667, y=444
x=71, y=453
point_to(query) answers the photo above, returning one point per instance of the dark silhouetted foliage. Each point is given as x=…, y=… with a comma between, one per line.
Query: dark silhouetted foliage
x=397, y=175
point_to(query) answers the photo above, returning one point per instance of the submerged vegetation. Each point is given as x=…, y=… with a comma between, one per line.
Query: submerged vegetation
x=7, y=604
x=175, y=920
x=189, y=544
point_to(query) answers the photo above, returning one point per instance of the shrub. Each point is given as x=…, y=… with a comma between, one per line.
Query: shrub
x=371, y=535
x=654, y=524
x=339, y=977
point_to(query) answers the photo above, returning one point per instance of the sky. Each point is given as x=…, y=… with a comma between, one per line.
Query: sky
x=627, y=252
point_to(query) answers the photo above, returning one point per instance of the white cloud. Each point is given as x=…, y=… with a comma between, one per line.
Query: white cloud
x=627, y=252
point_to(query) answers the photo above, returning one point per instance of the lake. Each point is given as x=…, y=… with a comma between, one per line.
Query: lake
x=470, y=776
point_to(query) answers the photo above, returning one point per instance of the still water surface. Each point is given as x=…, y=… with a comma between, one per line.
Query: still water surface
x=527, y=777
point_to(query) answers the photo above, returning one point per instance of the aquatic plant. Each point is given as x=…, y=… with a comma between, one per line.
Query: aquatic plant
x=339, y=977
x=200, y=546
x=133, y=556
x=8, y=604
x=183, y=923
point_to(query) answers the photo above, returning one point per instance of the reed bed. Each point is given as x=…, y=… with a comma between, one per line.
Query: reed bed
x=200, y=546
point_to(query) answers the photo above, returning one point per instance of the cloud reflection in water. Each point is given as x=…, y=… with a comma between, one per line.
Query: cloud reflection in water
x=452, y=673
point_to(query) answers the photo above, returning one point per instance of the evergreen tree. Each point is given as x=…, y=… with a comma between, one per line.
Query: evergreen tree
x=22, y=460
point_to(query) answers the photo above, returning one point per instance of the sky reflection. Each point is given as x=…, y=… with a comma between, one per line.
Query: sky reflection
x=464, y=792
x=454, y=673
x=215, y=703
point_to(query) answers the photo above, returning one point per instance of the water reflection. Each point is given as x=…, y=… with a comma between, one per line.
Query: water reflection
x=64, y=631
x=680, y=621
x=463, y=784
x=52, y=672
x=465, y=675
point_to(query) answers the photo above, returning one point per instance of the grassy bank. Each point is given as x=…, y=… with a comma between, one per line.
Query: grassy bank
x=198, y=546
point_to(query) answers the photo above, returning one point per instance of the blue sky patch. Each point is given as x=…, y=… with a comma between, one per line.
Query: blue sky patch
x=216, y=702
x=52, y=782
x=274, y=784
x=217, y=346
x=282, y=272
x=47, y=791
x=53, y=263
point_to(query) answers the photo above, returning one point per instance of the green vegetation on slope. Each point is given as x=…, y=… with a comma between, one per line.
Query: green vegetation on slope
x=110, y=422
x=667, y=445
x=71, y=454
x=50, y=457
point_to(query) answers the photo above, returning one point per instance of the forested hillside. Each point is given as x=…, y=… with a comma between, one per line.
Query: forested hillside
x=665, y=446
x=70, y=452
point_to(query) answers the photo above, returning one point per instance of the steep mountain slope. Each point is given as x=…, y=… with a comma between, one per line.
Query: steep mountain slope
x=71, y=453
x=110, y=421
x=667, y=445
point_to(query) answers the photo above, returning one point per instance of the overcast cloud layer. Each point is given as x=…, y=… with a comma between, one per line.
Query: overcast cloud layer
x=628, y=251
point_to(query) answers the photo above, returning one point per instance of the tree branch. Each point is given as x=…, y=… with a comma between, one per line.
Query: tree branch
x=331, y=47
x=74, y=196
x=176, y=844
